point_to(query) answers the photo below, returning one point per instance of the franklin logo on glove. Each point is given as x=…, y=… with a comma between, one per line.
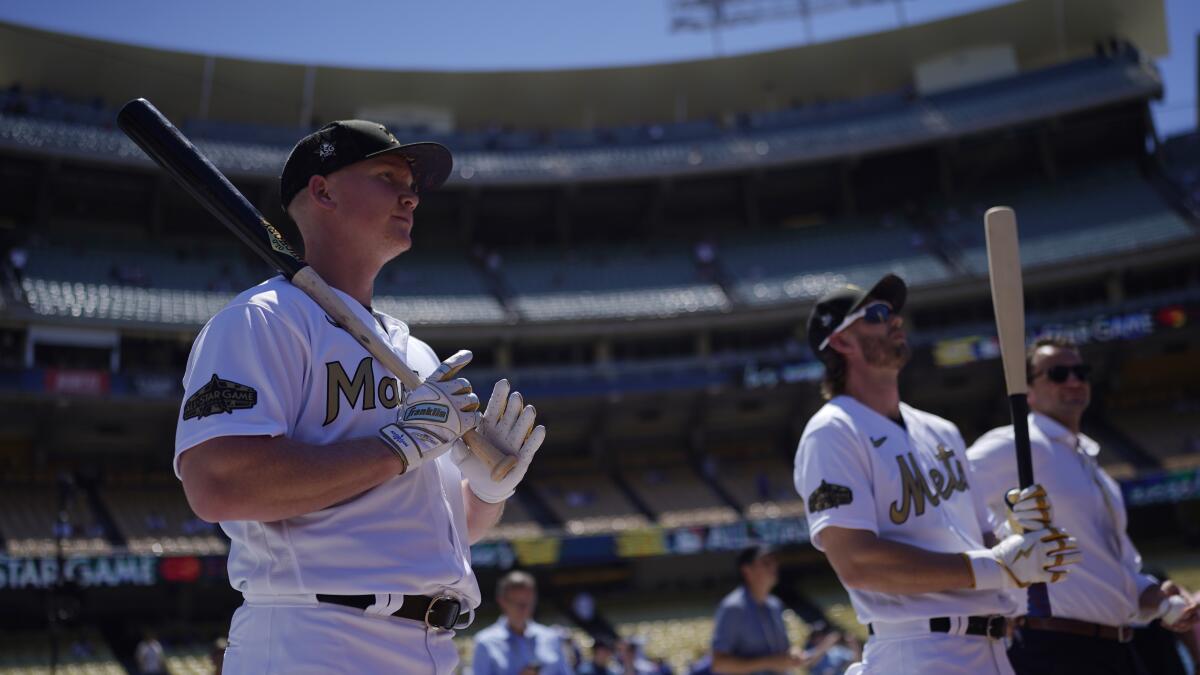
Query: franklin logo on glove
x=427, y=412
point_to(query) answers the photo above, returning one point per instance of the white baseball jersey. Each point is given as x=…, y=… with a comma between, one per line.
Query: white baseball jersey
x=273, y=363
x=859, y=470
x=1106, y=584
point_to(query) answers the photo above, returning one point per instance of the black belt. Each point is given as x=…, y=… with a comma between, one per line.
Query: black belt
x=995, y=627
x=1122, y=634
x=442, y=612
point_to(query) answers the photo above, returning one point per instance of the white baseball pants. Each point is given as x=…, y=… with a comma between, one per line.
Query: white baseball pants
x=325, y=638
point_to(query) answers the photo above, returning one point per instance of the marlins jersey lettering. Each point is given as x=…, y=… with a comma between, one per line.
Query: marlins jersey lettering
x=857, y=469
x=273, y=363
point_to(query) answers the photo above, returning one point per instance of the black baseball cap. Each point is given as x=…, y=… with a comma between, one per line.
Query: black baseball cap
x=835, y=305
x=340, y=144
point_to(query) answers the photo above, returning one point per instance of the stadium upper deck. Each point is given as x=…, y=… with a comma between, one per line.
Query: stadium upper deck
x=1016, y=36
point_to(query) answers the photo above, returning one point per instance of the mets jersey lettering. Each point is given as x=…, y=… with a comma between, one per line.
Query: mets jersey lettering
x=362, y=386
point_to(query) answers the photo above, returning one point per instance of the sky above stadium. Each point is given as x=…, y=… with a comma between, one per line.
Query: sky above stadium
x=526, y=35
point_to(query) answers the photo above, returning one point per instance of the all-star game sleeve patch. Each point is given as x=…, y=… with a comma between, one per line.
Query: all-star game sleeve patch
x=219, y=396
x=829, y=496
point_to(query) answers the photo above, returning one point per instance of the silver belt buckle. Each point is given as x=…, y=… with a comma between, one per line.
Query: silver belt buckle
x=429, y=611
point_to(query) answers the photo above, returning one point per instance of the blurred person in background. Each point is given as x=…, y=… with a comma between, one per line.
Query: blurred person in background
x=216, y=654
x=603, y=661
x=516, y=644
x=1093, y=609
x=570, y=648
x=149, y=655
x=837, y=658
x=633, y=659
x=749, y=635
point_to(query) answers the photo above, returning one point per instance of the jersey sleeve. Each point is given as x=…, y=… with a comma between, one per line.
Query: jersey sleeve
x=245, y=377
x=834, y=478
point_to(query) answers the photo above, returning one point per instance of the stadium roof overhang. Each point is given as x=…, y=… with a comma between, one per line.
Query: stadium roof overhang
x=1040, y=33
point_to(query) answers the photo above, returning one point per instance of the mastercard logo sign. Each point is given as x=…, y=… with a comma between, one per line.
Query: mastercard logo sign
x=1171, y=317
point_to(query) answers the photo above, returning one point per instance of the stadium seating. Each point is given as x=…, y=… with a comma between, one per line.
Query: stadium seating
x=158, y=521
x=587, y=503
x=1108, y=210
x=606, y=268
x=28, y=517
x=1172, y=439
x=80, y=653
x=634, y=304
x=171, y=265
x=803, y=264
x=789, y=136
x=189, y=660
x=762, y=486
x=170, y=306
x=1103, y=211
x=1085, y=83
x=608, y=282
x=677, y=495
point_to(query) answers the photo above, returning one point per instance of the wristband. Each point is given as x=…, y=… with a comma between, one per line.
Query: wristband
x=986, y=571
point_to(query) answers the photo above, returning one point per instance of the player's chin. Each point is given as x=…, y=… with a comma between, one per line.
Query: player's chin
x=399, y=243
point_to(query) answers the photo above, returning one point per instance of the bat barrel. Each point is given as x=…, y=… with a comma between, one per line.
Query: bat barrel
x=167, y=147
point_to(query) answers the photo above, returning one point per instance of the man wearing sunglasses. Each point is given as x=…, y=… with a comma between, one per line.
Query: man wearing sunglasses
x=891, y=504
x=1090, y=629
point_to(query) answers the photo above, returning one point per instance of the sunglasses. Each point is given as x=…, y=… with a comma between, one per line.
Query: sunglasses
x=1059, y=374
x=875, y=313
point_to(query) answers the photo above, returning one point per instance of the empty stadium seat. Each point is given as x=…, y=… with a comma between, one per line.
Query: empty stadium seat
x=589, y=503
x=28, y=518
x=81, y=652
x=1103, y=211
x=158, y=521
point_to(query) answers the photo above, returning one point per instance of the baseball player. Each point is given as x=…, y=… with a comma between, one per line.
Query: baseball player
x=1090, y=628
x=890, y=504
x=350, y=502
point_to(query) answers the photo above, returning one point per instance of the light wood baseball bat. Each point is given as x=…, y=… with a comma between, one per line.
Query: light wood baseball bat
x=1008, y=302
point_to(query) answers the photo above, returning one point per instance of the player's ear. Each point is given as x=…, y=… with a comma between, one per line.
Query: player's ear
x=842, y=343
x=318, y=189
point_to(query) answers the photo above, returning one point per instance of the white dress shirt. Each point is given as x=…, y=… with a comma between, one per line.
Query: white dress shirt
x=1105, y=586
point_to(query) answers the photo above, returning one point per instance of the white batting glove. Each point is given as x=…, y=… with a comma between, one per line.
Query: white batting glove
x=509, y=424
x=434, y=415
x=1029, y=509
x=1023, y=559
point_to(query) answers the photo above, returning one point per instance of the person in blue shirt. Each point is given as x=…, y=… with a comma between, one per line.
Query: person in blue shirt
x=749, y=635
x=516, y=644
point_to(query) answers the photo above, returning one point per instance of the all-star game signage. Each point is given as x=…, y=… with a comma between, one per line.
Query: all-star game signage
x=219, y=396
x=87, y=572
